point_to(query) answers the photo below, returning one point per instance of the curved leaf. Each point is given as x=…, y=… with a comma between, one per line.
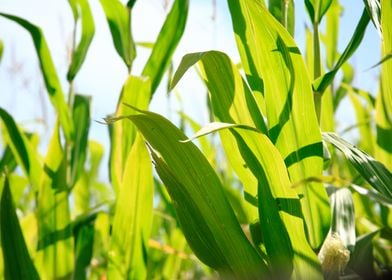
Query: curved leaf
x=167, y=41
x=87, y=35
x=51, y=79
x=118, y=17
x=317, y=9
x=206, y=217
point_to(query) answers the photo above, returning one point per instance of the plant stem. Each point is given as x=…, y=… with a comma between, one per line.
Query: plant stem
x=317, y=69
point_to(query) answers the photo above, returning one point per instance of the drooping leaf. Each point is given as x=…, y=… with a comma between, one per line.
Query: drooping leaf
x=17, y=261
x=53, y=214
x=268, y=52
x=316, y=9
x=373, y=171
x=320, y=84
x=118, y=17
x=374, y=9
x=206, y=217
x=81, y=119
x=51, y=79
x=21, y=149
x=81, y=10
x=284, y=12
x=166, y=43
x=383, y=150
x=133, y=216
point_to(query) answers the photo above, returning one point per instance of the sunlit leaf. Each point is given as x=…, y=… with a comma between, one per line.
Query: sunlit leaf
x=383, y=150
x=118, y=17
x=132, y=219
x=375, y=173
x=166, y=43
x=51, y=79
x=81, y=119
x=269, y=52
x=17, y=261
x=374, y=9
x=81, y=10
x=317, y=9
x=25, y=155
x=320, y=84
x=53, y=215
x=284, y=12
x=206, y=217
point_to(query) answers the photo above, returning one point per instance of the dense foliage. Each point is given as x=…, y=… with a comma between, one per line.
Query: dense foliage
x=279, y=195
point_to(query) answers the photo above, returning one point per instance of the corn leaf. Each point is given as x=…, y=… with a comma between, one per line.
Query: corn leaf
x=321, y=83
x=332, y=33
x=284, y=12
x=1, y=49
x=269, y=52
x=81, y=119
x=51, y=79
x=232, y=102
x=205, y=215
x=374, y=9
x=55, y=233
x=83, y=253
x=166, y=43
x=278, y=204
x=373, y=171
x=383, y=150
x=81, y=10
x=362, y=259
x=25, y=155
x=17, y=261
x=316, y=9
x=135, y=92
x=133, y=216
x=7, y=161
x=118, y=17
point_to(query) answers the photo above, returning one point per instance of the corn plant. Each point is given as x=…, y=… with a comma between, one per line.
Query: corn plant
x=280, y=194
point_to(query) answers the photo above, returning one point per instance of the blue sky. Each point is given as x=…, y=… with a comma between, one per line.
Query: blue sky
x=102, y=76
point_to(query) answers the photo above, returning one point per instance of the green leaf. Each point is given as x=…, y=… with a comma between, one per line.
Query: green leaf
x=166, y=43
x=205, y=215
x=17, y=261
x=1, y=50
x=232, y=102
x=383, y=150
x=278, y=204
x=133, y=216
x=268, y=52
x=25, y=155
x=373, y=7
x=332, y=33
x=135, y=92
x=53, y=214
x=84, y=247
x=284, y=12
x=316, y=9
x=87, y=34
x=373, y=171
x=118, y=17
x=51, y=79
x=81, y=119
x=7, y=161
x=362, y=259
x=320, y=84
